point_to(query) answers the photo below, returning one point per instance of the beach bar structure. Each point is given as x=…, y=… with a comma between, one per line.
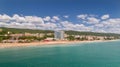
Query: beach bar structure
x=59, y=35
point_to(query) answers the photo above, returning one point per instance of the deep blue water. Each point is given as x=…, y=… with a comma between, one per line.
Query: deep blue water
x=101, y=54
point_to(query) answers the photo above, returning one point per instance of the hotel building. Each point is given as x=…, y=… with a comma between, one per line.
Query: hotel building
x=59, y=35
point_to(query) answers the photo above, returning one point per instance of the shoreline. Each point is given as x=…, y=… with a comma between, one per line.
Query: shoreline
x=17, y=45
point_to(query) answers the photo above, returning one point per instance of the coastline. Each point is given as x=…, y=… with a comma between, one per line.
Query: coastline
x=16, y=45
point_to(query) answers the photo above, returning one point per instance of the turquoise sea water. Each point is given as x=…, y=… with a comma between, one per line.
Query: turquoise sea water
x=101, y=54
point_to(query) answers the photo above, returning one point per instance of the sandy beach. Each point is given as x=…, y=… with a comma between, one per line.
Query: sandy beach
x=9, y=45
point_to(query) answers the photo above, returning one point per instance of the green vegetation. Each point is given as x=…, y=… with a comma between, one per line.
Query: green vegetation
x=92, y=34
x=15, y=30
x=3, y=32
x=4, y=38
x=71, y=38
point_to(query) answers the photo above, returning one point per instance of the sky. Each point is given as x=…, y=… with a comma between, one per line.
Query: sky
x=79, y=15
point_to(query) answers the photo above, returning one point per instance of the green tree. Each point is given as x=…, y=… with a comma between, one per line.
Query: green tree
x=71, y=38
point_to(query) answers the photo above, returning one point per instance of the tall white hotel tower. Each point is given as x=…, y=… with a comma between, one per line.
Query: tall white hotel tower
x=59, y=35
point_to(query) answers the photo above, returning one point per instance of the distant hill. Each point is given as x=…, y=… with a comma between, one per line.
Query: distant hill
x=16, y=30
x=91, y=33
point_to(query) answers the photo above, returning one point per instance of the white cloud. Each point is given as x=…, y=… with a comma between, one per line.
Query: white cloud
x=52, y=20
x=70, y=26
x=92, y=20
x=99, y=25
x=111, y=25
x=105, y=16
x=56, y=18
x=17, y=21
x=47, y=18
x=34, y=19
x=66, y=16
x=18, y=18
x=50, y=25
x=4, y=18
x=82, y=16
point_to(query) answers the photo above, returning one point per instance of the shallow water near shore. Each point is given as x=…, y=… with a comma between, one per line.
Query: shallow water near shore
x=97, y=54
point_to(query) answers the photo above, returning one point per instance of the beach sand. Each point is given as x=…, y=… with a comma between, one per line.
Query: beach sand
x=9, y=45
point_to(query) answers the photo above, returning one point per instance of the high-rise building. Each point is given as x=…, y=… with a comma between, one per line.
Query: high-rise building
x=59, y=35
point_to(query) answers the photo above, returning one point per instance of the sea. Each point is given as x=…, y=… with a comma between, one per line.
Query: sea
x=95, y=54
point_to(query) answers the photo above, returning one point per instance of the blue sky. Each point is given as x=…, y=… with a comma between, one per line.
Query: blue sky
x=60, y=7
x=66, y=11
